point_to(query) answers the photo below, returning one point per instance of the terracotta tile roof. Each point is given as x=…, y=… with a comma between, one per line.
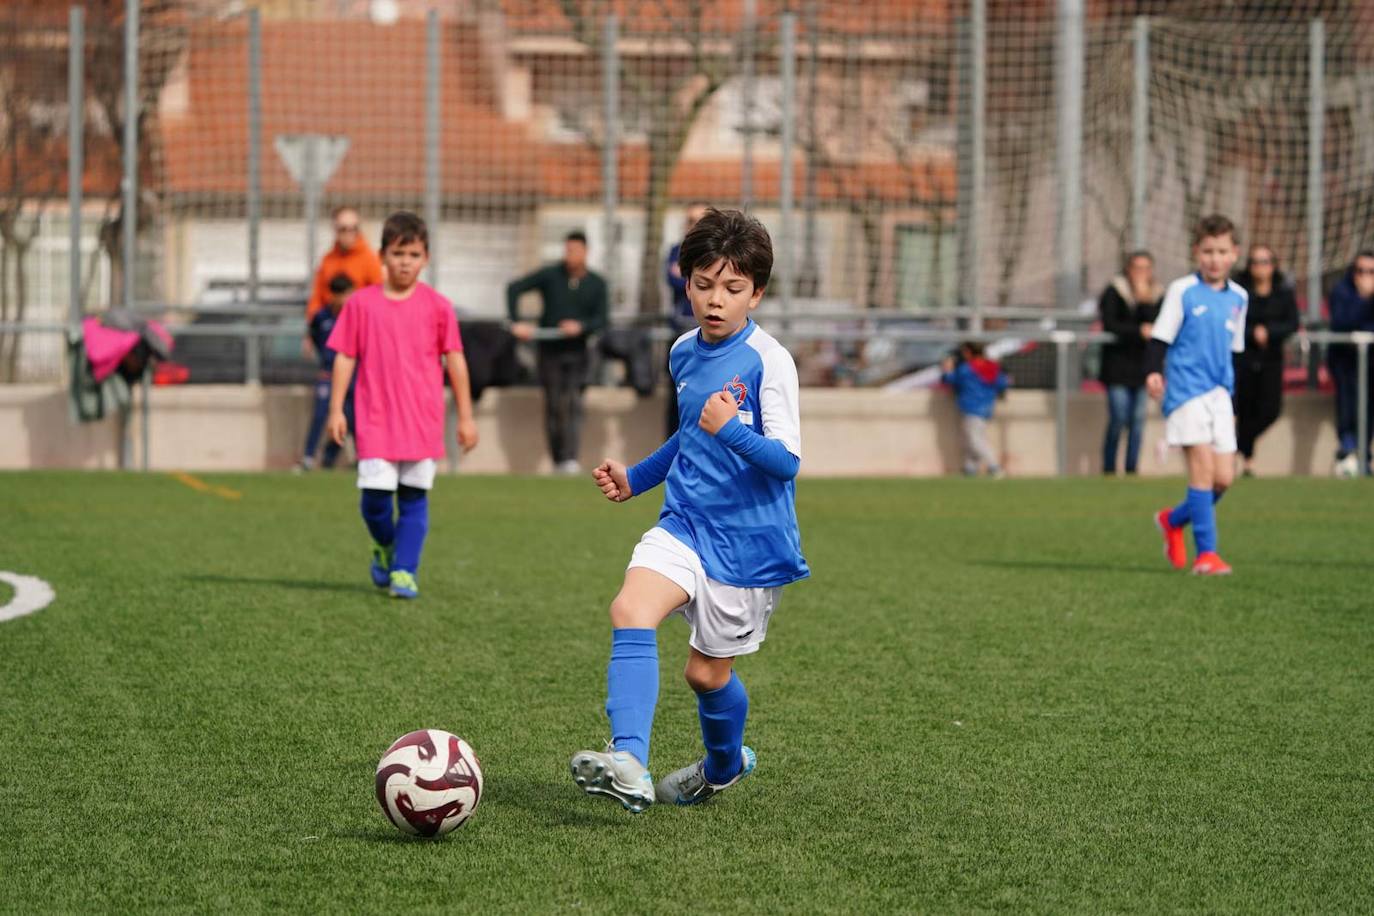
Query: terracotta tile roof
x=724, y=17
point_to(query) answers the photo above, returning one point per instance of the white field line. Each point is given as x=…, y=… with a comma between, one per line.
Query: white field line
x=30, y=594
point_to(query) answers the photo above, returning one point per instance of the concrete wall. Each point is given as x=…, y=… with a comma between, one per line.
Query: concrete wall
x=845, y=432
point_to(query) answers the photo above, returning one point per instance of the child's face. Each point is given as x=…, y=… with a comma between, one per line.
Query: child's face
x=337, y=300
x=722, y=299
x=403, y=262
x=1216, y=255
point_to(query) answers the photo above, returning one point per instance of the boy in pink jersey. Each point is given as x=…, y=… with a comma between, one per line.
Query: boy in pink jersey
x=401, y=336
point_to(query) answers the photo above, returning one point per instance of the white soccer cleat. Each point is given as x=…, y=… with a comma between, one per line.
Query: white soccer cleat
x=615, y=774
x=688, y=786
x=1348, y=467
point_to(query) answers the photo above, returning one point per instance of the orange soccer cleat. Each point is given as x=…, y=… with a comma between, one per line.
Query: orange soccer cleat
x=1209, y=564
x=1175, y=550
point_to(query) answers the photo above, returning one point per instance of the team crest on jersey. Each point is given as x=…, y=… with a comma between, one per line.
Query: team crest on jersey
x=737, y=390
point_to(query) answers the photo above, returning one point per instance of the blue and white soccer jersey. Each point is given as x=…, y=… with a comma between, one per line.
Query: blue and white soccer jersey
x=728, y=534
x=1203, y=326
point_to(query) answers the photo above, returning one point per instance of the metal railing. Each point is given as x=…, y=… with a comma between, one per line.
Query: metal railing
x=1065, y=343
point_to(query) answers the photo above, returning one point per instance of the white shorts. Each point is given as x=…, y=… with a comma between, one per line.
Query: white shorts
x=1208, y=419
x=381, y=474
x=726, y=620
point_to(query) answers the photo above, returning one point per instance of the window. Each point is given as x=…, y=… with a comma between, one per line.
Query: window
x=927, y=258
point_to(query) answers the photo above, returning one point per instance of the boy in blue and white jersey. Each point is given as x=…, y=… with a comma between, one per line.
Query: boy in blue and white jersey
x=727, y=538
x=1200, y=325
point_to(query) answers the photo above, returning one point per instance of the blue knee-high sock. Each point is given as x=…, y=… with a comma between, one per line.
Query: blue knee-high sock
x=1182, y=514
x=722, y=712
x=632, y=689
x=412, y=524
x=376, y=506
x=1217, y=495
x=1204, y=520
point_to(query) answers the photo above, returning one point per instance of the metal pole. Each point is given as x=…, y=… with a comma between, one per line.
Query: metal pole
x=746, y=173
x=76, y=139
x=978, y=152
x=1062, y=340
x=310, y=188
x=1362, y=341
x=254, y=148
x=1140, y=131
x=610, y=91
x=146, y=407
x=129, y=212
x=432, y=178
x=1316, y=124
x=788, y=66
x=972, y=143
x=1069, y=99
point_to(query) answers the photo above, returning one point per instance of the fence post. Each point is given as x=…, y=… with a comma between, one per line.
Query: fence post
x=1362, y=340
x=76, y=167
x=1140, y=131
x=129, y=213
x=1062, y=340
x=145, y=428
x=1068, y=86
x=610, y=190
x=788, y=67
x=746, y=169
x=432, y=177
x=973, y=148
x=254, y=202
x=1316, y=126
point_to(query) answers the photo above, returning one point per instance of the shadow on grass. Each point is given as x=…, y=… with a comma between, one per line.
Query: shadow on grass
x=1156, y=569
x=311, y=585
x=556, y=802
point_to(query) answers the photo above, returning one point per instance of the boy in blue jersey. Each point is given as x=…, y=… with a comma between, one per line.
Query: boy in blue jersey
x=727, y=538
x=1200, y=325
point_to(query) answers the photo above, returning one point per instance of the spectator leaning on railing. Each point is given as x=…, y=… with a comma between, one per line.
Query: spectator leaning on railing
x=1352, y=309
x=1129, y=306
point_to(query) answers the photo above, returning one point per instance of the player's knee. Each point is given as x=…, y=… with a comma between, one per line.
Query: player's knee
x=703, y=677
x=625, y=612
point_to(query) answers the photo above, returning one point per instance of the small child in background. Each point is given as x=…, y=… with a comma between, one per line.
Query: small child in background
x=977, y=382
x=321, y=326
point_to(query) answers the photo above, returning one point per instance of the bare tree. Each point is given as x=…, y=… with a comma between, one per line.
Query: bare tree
x=668, y=85
x=33, y=119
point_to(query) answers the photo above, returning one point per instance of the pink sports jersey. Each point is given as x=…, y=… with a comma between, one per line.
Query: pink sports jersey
x=399, y=400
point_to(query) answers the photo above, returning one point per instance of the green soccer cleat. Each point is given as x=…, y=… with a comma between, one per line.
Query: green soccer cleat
x=615, y=774
x=688, y=786
x=403, y=584
x=381, y=564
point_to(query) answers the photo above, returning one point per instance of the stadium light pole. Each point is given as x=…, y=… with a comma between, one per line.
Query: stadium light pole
x=1069, y=99
x=76, y=167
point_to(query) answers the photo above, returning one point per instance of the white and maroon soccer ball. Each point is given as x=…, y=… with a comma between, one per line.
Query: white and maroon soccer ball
x=429, y=782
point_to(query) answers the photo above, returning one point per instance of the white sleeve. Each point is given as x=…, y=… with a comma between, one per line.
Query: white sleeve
x=780, y=400
x=1238, y=332
x=1170, y=313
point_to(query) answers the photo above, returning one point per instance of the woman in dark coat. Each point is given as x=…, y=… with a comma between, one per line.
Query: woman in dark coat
x=1129, y=307
x=1270, y=319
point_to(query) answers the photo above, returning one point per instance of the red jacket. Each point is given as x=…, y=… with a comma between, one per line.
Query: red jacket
x=360, y=263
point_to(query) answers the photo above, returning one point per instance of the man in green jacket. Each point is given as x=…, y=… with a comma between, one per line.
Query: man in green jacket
x=574, y=306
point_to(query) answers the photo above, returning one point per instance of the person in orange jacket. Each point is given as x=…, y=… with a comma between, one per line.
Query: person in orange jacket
x=350, y=255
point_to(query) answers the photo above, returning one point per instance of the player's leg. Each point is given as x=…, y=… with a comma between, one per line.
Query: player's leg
x=412, y=525
x=377, y=480
x=645, y=599
x=722, y=707
x=1206, y=468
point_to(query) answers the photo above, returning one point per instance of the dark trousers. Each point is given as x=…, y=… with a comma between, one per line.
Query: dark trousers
x=1259, y=400
x=563, y=375
x=1345, y=373
x=1125, y=411
x=318, y=415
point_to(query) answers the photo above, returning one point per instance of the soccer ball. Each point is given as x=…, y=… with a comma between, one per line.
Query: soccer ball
x=429, y=782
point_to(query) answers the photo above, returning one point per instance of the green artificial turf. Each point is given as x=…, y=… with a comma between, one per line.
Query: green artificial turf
x=990, y=695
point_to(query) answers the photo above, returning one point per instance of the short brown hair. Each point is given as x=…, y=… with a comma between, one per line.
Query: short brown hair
x=1213, y=226
x=402, y=227
x=729, y=235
